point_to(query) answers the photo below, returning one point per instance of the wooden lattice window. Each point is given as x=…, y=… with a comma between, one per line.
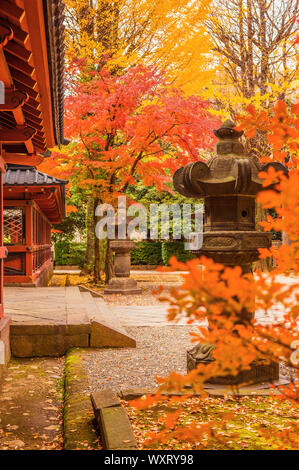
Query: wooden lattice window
x=13, y=226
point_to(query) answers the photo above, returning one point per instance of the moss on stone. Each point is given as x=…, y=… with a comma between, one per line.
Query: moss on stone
x=79, y=432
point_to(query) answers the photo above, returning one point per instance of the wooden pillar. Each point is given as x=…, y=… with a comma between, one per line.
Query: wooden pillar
x=2, y=248
x=29, y=238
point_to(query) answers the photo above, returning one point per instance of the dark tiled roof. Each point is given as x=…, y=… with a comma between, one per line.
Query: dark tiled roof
x=54, y=17
x=28, y=175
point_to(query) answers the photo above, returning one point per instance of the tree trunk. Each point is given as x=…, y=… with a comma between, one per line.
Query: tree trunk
x=89, y=254
x=242, y=49
x=109, y=270
x=250, y=61
x=97, y=248
x=264, y=72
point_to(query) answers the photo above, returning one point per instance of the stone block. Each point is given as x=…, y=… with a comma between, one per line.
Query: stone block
x=80, y=340
x=260, y=370
x=104, y=399
x=133, y=393
x=122, y=285
x=47, y=344
x=34, y=328
x=102, y=336
x=38, y=345
x=76, y=326
x=92, y=292
x=116, y=429
x=113, y=422
x=43, y=279
x=104, y=330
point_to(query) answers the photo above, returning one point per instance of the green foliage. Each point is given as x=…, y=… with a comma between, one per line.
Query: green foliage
x=150, y=194
x=69, y=253
x=74, y=222
x=276, y=236
x=159, y=253
x=147, y=252
x=175, y=248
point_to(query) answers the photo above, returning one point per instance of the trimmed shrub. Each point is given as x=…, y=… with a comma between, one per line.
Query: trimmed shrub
x=159, y=253
x=175, y=248
x=69, y=253
x=147, y=252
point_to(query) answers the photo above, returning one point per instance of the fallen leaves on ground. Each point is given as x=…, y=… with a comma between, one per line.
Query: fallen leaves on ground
x=250, y=425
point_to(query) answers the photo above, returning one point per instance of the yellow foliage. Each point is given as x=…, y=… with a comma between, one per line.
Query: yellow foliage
x=168, y=34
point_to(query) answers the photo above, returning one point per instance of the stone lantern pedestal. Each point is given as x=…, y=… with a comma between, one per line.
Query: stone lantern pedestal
x=122, y=283
x=228, y=183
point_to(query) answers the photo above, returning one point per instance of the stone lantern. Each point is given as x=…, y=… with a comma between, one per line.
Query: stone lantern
x=121, y=283
x=228, y=183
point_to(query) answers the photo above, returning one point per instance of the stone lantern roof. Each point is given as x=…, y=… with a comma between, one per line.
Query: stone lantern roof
x=230, y=171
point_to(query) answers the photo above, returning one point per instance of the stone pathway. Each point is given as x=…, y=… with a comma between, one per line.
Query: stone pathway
x=144, y=315
x=45, y=305
x=63, y=306
x=67, y=271
x=156, y=315
x=31, y=405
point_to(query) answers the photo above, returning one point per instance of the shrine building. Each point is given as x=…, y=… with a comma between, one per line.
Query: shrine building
x=31, y=123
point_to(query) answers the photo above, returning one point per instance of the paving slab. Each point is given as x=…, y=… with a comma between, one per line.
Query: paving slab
x=45, y=305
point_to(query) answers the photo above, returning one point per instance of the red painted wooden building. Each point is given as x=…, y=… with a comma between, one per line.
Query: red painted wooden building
x=32, y=202
x=31, y=122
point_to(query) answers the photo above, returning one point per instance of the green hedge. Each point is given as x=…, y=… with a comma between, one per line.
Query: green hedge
x=69, y=253
x=176, y=249
x=159, y=253
x=147, y=252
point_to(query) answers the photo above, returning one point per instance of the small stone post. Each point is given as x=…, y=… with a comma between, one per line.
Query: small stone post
x=122, y=283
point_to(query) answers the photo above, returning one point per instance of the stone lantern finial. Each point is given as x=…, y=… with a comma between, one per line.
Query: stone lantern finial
x=227, y=131
x=228, y=139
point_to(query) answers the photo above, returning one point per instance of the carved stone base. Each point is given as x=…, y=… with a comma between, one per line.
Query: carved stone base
x=233, y=248
x=260, y=371
x=122, y=285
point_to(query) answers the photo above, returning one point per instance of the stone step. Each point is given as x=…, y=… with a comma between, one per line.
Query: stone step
x=49, y=321
x=105, y=330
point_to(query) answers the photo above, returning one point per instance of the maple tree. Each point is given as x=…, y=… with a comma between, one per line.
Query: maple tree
x=128, y=127
x=222, y=294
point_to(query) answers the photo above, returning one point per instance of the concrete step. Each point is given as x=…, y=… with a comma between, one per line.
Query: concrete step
x=105, y=330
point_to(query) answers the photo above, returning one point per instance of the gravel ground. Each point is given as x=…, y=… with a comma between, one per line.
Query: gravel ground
x=146, y=298
x=159, y=351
